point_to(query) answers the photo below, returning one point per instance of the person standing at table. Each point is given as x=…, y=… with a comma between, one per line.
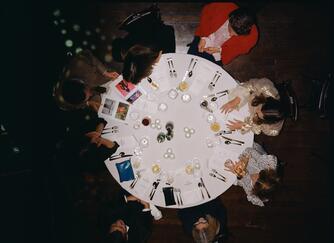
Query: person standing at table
x=206, y=222
x=128, y=219
x=267, y=112
x=257, y=174
x=148, y=37
x=225, y=32
x=80, y=82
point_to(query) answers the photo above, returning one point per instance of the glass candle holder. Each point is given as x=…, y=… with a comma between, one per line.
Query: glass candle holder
x=155, y=168
x=215, y=127
x=189, y=168
x=146, y=121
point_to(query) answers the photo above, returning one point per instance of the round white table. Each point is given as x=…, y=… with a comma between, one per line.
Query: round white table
x=194, y=154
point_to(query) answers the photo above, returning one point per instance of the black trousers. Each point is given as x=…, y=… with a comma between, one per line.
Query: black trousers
x=193, y=49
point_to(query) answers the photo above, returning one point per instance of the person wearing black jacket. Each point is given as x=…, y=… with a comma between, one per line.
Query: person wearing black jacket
x=206, y=222
x=148, y=37
x=128, y=219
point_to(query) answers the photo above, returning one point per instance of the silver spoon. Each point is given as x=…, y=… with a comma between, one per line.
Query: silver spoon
x=191, y=71
x=200, y=186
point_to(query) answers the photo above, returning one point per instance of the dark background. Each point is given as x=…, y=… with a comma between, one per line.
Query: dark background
x=45, y=199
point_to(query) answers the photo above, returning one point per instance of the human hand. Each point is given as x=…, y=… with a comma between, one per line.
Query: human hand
x=111, y=75
x=94, y=105
x=238, y=167
x=230, y=165
x=212, y=50
x=231, y=105
x=94, y=136
x=235, y=124
x=201, y=45
x=132, y=198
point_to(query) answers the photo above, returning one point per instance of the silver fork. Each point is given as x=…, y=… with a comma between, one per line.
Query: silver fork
x=135, y=180
x=177, y=197
x=174, y=72
x=178, y=191
x=191, y=71
x=170, y=68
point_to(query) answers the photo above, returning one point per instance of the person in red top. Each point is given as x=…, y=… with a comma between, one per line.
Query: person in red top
x=225, y=31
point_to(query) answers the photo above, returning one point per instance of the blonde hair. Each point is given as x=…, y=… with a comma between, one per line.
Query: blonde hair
x=208, y=234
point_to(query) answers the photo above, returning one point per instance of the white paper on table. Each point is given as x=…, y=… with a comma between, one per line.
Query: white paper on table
x=192, y=196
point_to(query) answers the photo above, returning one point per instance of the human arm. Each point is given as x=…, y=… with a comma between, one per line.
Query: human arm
x=238, y=45
x=231, y=105
x=239, y=168
x=212, y=16
x=111, y=75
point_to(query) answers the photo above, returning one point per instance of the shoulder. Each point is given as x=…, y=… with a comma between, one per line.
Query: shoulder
x=221, y=6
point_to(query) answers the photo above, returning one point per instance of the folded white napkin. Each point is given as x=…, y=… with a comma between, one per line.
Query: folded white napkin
x=192, y=196
x=142, y=186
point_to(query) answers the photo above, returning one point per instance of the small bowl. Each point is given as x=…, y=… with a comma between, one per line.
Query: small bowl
x=211, y=118
x=162, y=107
x=186, y=98
x=173, y=94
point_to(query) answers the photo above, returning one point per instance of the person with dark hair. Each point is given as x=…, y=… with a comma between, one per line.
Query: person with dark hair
x=257, y=174
x=139, y=61
x=205, y=223
x=80, y=82
x=127, y=220
x=267, y=112
x=148, y=37
x=225, y=31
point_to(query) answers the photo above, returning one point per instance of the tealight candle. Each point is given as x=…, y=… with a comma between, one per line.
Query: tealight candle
x=189, y=169
x=155, y=168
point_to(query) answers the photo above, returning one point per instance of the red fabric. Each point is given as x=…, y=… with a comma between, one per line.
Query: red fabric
x=213, y=16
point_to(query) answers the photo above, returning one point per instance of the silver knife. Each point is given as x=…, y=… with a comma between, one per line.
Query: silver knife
x=207, y=192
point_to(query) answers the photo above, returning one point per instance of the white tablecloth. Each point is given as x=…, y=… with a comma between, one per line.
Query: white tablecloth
x=182, y=114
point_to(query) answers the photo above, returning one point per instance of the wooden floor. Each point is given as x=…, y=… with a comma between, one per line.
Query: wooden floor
x=294, y=45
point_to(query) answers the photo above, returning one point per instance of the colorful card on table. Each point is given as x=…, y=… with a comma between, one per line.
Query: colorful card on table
x=124, y=87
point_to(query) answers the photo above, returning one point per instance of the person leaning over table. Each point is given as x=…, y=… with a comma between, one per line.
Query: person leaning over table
x=139, y=61
x=225, y=31
x=256, y=173
x=206, y=222
x=148, y=37
x=81, y=82
x=87, y=145
x=267, y=113
x=128, y=219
